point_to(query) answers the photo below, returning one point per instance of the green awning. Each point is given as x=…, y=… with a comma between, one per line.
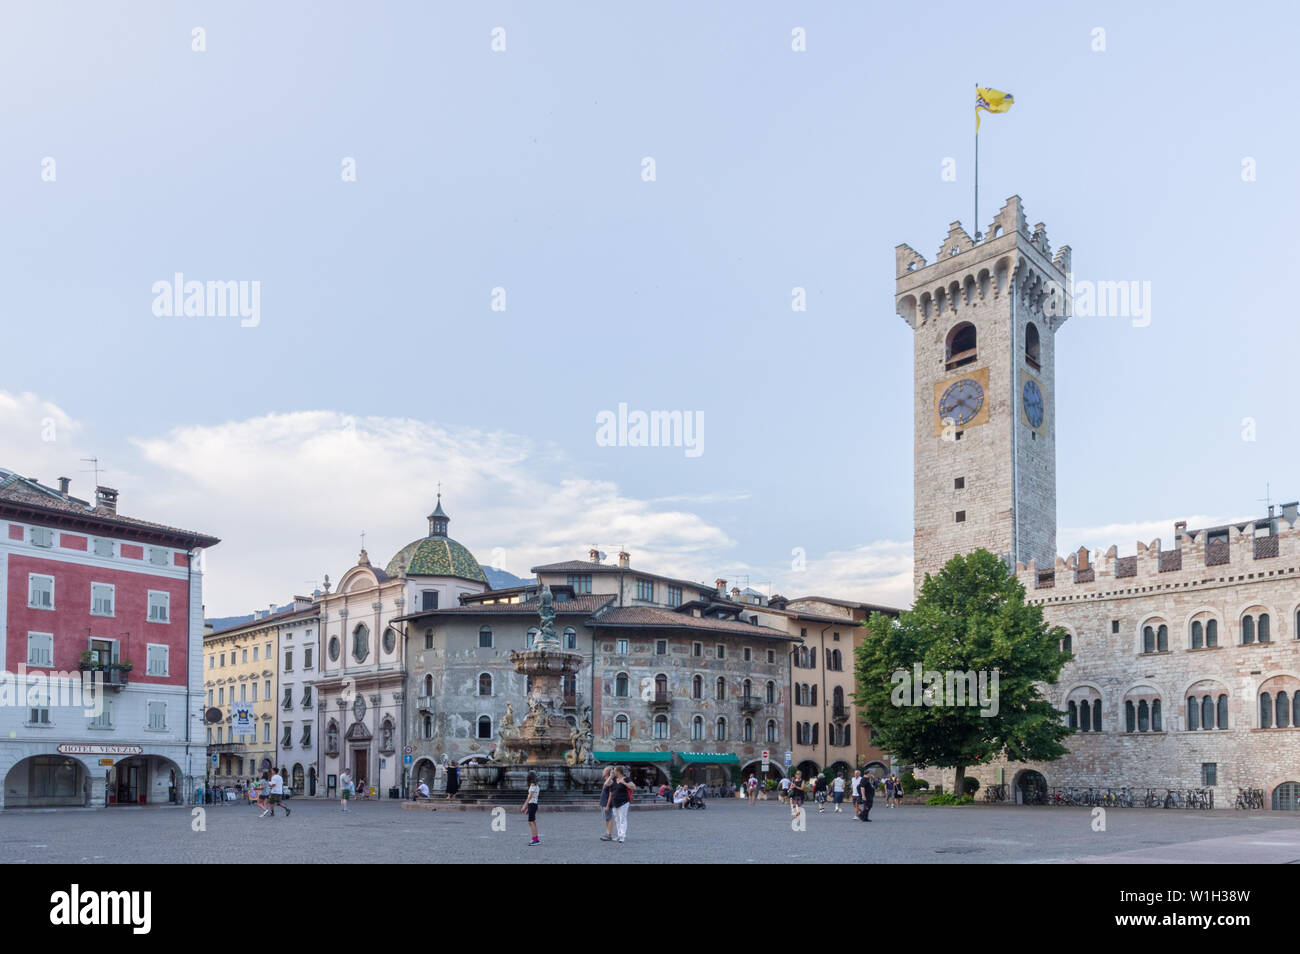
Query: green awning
x=631, y=757
x=712, y=758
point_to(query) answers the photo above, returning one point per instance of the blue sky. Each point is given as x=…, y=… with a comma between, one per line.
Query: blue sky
x=378, y=367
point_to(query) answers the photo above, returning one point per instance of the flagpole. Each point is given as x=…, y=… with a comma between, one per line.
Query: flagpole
x=976, y=223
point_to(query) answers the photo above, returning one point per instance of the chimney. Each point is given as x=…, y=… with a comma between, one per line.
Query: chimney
x=106, y=499
x=593, y=555
x=1290, y=511
x=735, y=593
x=624, y=559
x=64, y=484
x=1179, y=529
x=722, y=587
x=1082, y=559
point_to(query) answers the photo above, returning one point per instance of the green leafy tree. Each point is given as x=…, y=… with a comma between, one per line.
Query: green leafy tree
x=972, y=616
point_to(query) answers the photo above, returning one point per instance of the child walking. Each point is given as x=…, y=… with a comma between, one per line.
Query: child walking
x=530, y=806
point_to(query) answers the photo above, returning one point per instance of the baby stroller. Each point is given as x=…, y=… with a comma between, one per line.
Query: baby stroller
x=695, y=798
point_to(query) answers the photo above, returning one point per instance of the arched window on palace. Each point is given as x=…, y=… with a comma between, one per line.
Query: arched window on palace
x=485, y=684
x=720, y=730
x=697, y=687
x=661, y=727
x=748, y=730
x=620, y=685
x=770, y=734
x=720, y=689
x=484, y=727
x=620, y=727
x=697, y=729
x=771, y=691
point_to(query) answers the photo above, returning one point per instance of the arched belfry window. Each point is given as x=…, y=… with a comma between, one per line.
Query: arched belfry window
x=1033, y=354
x=961, y=347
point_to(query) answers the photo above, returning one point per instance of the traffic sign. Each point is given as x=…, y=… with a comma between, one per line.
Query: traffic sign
x=765, y=755
x=408, y=758
x=789, y=759
x=214, y=760
x=408, y=750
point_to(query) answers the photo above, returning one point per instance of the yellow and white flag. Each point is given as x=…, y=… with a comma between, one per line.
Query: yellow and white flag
x=994, y=100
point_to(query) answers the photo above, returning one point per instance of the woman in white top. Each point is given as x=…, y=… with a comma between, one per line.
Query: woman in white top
x=530, y=806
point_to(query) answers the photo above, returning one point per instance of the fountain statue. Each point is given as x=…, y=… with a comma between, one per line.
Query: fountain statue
x=544, y=741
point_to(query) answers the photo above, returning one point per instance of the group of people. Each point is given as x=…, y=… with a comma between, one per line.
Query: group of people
x=862, y=789
x=682, y=795
x=268, y=792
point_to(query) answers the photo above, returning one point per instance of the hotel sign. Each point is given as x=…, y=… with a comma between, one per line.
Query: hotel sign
x=89, y=748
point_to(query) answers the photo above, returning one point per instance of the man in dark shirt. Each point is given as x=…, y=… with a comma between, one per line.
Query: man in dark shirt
x=606, y=793
x=868, y=792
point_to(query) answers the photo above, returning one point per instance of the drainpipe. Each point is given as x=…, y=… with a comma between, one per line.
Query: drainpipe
x=789, y=711
x=826, y=734
x=189, y=715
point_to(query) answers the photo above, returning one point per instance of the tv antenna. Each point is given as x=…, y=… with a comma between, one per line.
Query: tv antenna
x=94, y=466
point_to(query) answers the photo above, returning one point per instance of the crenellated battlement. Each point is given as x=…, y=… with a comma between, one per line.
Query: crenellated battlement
x=966, y=273
x=1250, y=549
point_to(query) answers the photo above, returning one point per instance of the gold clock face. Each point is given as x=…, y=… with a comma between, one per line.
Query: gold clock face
x=961, y=401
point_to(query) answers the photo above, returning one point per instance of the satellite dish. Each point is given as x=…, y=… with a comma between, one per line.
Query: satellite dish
x=212, y=715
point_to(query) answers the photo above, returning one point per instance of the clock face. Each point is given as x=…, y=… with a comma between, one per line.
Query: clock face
x=1033, y=404
x=961, y=402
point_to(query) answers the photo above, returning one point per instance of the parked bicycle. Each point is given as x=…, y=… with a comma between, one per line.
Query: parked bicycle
x=1250, y=798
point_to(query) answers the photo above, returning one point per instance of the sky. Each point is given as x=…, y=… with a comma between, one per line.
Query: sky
x=476, y=227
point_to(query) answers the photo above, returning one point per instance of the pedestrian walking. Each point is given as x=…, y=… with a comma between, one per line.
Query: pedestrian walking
x=796, y=795
x=752, y=786
x=346, y=789
x=898, y=790
x=621, y=797
x=530, y=806
x=277, y=795
x=264, y=792
x=784, y=789
x=889, y=791
x=837, y=791
x=855, y=784
x=606, y=802
x=868, y=790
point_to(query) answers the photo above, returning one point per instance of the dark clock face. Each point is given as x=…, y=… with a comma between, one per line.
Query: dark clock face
x=961, y=402
x=1033, y=404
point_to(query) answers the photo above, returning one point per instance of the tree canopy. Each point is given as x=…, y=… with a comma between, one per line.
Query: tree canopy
x=970, y=632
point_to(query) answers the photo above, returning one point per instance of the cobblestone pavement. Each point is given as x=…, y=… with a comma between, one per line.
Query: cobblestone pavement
x=317, y=832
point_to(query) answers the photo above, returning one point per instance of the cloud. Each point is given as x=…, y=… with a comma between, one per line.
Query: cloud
x=290, y=494
x=879, y=572
x=1126, y=535
x=37, y=438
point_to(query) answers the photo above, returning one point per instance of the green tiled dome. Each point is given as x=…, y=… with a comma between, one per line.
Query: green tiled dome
x=437, y=556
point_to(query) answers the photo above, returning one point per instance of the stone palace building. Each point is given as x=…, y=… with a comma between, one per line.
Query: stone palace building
x=1186, y=655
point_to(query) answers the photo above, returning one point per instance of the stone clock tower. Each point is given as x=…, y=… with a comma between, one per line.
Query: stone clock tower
x=985, y=317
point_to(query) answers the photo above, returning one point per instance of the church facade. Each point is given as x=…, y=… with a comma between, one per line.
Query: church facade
x=1186, y=658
